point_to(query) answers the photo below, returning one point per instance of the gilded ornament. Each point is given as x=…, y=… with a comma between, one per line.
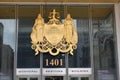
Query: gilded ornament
x=54, y=37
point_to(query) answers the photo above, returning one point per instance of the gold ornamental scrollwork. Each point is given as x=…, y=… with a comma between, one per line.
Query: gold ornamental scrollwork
x=54, y=36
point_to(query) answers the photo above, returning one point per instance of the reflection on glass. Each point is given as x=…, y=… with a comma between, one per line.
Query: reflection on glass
x=7, y=43
x=104, y=49
x=81, y=57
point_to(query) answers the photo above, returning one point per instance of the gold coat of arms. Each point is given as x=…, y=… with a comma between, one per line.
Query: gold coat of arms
x=54, y=36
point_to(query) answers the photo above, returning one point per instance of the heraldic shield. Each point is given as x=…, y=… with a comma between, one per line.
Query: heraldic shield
x=54, y=37
x=56, y=32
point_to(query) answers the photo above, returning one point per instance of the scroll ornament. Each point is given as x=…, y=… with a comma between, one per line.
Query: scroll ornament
x=54, y=36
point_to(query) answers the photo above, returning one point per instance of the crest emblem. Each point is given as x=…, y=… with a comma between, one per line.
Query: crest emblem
x=54, y=37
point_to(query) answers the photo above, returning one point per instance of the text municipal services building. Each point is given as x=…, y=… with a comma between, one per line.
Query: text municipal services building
x=60, y=40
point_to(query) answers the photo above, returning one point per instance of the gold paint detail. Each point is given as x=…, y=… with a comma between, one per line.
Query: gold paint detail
x=54, y=37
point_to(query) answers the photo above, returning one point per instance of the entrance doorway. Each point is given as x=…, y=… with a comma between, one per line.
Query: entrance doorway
x=79, y=78
x=28, y=78
x=54, y=78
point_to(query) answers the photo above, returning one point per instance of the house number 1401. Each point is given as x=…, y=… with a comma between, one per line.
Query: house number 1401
x=54, y=62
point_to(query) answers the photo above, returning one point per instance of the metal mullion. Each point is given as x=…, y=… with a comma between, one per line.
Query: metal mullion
x=53, y=3
x=116, y=38
x=16, y=41
x=41, y=66
x=91, y=41
x=66, y=65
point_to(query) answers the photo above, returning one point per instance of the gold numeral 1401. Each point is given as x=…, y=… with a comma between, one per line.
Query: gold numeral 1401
x=54, y=62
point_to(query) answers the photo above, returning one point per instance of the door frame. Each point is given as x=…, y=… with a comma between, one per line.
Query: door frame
x=28, y=77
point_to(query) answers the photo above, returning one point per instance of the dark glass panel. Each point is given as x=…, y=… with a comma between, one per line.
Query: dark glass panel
x=81, y=57
x=25, y=56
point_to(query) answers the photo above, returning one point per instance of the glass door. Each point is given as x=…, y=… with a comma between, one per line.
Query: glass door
x=54, y=78
x=79, y=78
x=22, y=79
x=28, y=78
x=33, y=79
